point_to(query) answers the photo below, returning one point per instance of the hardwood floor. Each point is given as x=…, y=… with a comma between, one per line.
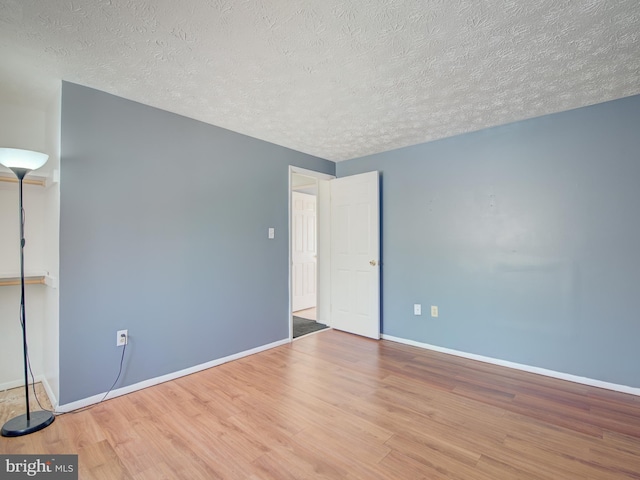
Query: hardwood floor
x=337, y=406
x=309, y=313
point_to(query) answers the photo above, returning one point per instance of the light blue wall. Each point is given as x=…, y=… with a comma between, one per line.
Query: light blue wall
x=164, y=232
x=526, y=236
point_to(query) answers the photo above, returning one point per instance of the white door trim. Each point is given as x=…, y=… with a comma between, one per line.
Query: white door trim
x=324, y=256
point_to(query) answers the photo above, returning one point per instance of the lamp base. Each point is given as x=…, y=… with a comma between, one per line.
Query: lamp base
x=19, y=425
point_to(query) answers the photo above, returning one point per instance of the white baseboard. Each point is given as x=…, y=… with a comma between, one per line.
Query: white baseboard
x=47, y=388
x=518, y=366
x=15, y=384
x=37, y=378
x=85, y=402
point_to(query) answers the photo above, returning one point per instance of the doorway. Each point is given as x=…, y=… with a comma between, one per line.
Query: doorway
x=308, y=276
x=304, y=255
x=346, y=274
x=304, y=251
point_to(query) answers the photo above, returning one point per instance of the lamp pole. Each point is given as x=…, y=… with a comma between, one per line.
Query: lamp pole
x=20, y=173
x=21, y=162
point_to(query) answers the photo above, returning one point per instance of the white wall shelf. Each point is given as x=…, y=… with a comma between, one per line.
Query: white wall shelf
x=32, y=179
x=42, y=279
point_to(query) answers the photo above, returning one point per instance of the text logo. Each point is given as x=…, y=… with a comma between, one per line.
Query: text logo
x=51, y=467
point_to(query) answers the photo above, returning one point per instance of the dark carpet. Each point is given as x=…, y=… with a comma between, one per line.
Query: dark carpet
x=302, y=326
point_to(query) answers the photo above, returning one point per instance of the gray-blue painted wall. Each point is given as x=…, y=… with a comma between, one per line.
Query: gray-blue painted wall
x=163, y=232
x=527, y=238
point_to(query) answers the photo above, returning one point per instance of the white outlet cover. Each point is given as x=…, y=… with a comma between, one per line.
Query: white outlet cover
x=122, y=341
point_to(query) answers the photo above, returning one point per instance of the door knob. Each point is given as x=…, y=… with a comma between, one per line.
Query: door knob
x=373, y=263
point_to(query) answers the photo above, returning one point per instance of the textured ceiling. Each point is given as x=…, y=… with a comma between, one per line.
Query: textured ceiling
x=336, y=79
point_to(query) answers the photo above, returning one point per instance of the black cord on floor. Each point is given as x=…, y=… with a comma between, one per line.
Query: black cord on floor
x=124, y=348
x=33, y=385
x=88, y=407
x=26, y=347
x=23, y=217
x=33, y=379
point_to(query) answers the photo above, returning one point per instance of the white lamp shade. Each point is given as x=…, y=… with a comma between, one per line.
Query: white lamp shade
x=17, y=158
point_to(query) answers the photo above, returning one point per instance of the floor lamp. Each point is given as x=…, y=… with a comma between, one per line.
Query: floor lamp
x=21, y=162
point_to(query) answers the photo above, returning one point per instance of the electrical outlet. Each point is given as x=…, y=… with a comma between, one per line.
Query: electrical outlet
x=417, y=309
x=122, y=338
x=434, y=311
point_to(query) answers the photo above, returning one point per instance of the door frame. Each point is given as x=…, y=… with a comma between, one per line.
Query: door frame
x=323, y=291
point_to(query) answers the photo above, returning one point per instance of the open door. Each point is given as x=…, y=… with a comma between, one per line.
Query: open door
x=303, y=251
x=355, y=254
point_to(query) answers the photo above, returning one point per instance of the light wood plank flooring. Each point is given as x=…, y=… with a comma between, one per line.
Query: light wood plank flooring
x=309, y=313
x=337, y=406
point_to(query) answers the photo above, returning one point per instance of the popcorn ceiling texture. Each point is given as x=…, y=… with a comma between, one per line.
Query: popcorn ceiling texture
x=336, y=79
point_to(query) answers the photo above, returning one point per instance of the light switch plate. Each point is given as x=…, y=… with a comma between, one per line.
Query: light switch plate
x=272, y=233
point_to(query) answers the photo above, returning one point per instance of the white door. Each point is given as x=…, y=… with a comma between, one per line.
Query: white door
x=355, y=250
x=303, y=244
